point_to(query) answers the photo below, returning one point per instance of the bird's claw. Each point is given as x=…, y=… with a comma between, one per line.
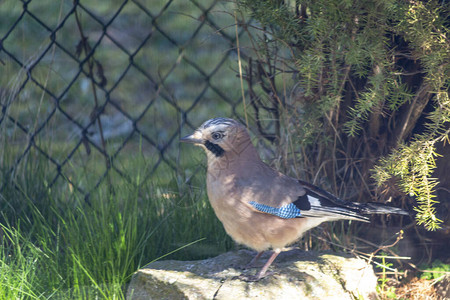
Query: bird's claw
x=254, y=278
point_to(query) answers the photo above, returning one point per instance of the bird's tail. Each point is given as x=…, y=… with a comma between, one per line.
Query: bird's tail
x=371, y=208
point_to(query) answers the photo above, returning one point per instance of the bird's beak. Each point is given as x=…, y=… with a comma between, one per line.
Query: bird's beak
x=192, y=139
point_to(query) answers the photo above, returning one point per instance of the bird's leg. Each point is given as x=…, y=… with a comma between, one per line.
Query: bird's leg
x=254, y=260
x=262, y=273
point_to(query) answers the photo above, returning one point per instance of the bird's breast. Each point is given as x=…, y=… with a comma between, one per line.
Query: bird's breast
x=221, y=190
x=236, y=215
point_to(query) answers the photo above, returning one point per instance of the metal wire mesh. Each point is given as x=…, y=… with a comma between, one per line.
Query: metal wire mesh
x=85, y=81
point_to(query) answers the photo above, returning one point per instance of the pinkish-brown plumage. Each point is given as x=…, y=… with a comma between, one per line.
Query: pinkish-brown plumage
x=258, y=206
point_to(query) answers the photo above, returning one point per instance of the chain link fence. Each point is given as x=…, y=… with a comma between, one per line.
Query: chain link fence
x=88, y=84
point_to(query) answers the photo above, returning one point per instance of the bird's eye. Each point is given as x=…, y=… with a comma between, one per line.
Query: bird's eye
x=217, y=135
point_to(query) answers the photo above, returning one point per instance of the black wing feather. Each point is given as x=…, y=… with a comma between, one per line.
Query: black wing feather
x=334, y=208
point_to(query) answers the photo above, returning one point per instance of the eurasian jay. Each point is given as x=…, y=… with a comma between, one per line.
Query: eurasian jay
x=258, y=206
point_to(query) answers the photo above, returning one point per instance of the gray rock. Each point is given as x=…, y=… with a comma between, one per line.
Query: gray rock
x=297, y=275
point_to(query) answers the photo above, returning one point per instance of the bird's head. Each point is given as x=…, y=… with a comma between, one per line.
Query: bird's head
x=220, y=136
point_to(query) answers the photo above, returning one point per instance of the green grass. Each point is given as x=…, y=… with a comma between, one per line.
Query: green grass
x=55, y=245
x=437, y=270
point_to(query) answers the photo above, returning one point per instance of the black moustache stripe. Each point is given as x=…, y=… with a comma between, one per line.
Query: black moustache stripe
x=214, y=148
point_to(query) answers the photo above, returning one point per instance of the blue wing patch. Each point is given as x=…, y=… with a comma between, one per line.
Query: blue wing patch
x=289, y=211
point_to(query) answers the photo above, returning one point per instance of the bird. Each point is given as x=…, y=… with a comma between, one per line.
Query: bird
x=259, y=206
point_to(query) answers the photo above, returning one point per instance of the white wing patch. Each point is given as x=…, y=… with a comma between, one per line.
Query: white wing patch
x=313, y=201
